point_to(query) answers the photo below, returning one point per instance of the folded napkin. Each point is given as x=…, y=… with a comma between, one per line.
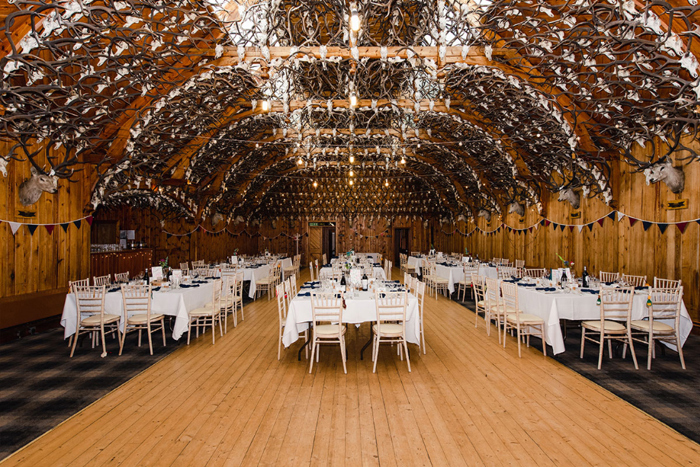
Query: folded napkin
x=116, y=289
x=304, y=294
x=609, y=283
x=393, y=282
x=640, y=287
x=527, y=285
x=546, y=289
x=155, y=289
x=377, y=265
x=187, y=286
x=329, y=265
x=589, y=291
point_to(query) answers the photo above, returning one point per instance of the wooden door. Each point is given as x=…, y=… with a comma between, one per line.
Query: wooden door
x=315, y=244
x=401, y=243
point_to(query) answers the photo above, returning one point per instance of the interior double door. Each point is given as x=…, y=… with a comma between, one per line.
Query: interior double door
x=321, y=240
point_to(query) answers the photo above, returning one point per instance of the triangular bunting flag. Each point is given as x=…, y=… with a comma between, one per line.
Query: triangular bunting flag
x=546, y=223
x=14, y=226
x=77, y=223
x=580, y=228
x=556, y=226
x=662, y=227
x=646, y=225
x=601, y=220
x=682, y=226
x=620, y=215
x=590, y=226
x=65, y=226
x=530, y=229
x=571, y=228
x=611, y=216
x=89, y=220
x=49, y=228
x=32, y=228
x=562, y=227
x=632, y=220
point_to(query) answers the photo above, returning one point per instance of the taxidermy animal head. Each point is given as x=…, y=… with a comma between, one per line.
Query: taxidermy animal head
x=30, y=190
x=664, y=171
x=568, y=194
x=485, y=214
x=517, y=208
x=216, y=218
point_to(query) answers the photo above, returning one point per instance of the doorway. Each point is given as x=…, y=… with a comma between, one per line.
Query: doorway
x=322, y=239
x=402, y=243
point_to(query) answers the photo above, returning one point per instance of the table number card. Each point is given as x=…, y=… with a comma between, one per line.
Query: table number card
x=156, y=273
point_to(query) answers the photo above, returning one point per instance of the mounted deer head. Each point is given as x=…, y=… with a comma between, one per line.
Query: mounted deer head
x=216, y=218
x=568, y=194
x=664, y=171
x=30, y=190
x=3, y=166
x=273, y=223
x=485, y=214
x=517, y=208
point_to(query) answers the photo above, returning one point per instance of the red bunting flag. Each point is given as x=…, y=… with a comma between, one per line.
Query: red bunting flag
x=632, y=220
x=682, y=226
x=601, y=220
x=49, y=228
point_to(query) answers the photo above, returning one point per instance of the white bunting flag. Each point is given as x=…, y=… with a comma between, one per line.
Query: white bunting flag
x=14, y=226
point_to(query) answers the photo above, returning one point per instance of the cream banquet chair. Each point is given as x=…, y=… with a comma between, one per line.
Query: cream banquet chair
x=102, y=280
x=466, y=282
x=536, y=273
x=609, y=276
x=122, y=277
x=665, y=305
x=285, y=293
x=666, y=283
x=479, y=287
x=268, y=284
x=137, y=309
x=615, y=309
x=391, y=323
x=420, y=295
x=311, y=271
x=328, y=328
x=90, y=308
x=494, y=307
x=185, y=267
x=634, y=281
x=524, y=324
x=79, y=283
x=207, y=315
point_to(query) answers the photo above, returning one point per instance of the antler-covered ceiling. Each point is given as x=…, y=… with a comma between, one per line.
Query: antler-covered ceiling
x=425, y=108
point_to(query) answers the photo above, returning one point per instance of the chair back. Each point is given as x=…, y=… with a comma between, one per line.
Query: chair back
x=217, y=287
x=228, y=272
x=281, y=302
x=185, y=266
x=287, y=289
x=634, y=281
x=311, y=271
x=391, y=306
x=535, y=273
x=509, y=292
x=616, y=303
x=136, y=300
x=419, y=292
x=479, y=287
x=293, y=285
x=122, y=277
x=506, y=272
x=493, y=292
x=666, y=304
x=325, y=260
x=101, y=280
x=79, y=283
x=468, y=272
x=317, y=275
x=609, y=276
x=327, y=307
x=666, y=283
x=89, y=300
x=519, y=263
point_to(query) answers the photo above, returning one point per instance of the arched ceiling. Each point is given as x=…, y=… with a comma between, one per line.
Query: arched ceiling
x=198, y=107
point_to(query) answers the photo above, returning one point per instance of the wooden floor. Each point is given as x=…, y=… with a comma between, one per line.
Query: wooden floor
x=467, y=402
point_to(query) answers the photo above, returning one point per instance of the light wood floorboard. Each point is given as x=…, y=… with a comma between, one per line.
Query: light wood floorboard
x=466, y=402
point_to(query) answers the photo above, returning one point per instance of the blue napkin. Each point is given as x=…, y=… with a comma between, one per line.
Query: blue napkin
x=589, y=291
x=116, y=289
x=186, y=286
x=329, y=265
x=199, y=282
x=527, y=285
x=377, y=265
x=641, y=287
x=546, y=289
x=609, y=283
x=155, y=289
x=304, y=294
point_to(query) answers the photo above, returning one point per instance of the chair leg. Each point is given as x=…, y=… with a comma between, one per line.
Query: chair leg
x=408, y=360
x=221, y=332
x=680, y=349
x=279, y=345
x=121, y=341
x=313, y=350
x=139, y=337
x=376, y=352
x=104, y=344
x=631, y=342
x=75, y=340
x=213, y=330
x=150, y=340
x=520, y=355
x=189, y=331
x=162, y=328
x=650, y=350
x=342, y=353
x=600, y=351
x=610, y=348
x=583, y=340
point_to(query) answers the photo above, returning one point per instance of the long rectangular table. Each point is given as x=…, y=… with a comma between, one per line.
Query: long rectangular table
x=174, y=302
x=553, y=306
x=359, y=310
x=253, y=274
x=327, y=273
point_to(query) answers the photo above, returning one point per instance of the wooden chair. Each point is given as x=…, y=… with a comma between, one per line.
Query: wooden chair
x=311, y=271
x=615, y=306
x=102, y=280
x=79, y=283
x=665, y=305
x=289, y=270
x=466, y=282
x=293, y=285
x=185, y=267
x=439, y=283
x=535, y=273
x=666, y=283
x=520, y=263
x=122, y=277
x=318, y=277
x=268, y=284
x=137, y=309
x=494, y=307
x=325, y=260
x=389, y=269
x=420, y=295
x=230, y=298
x=634, y=281
x=391, y=323
x=479, y=287
x=328, y=328
x=282, y=314
x=207, y=315
x=609, y=276
x=91, y=316
x=524, y=324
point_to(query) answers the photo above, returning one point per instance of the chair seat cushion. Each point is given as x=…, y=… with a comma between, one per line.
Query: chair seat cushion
x=207, y=310
x=328, y=330
x=643, y=325
x=439, y=280
x=388, y=329
x=610, y=326
x=524, y=318
x=265, y=281
x=94, y=320
x=142, y=318
x=481, y=304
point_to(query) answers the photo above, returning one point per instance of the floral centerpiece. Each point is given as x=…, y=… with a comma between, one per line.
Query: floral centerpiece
x=565, y=263
x=164, y=263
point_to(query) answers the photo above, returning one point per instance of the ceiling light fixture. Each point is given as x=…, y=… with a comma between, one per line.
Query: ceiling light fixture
x=353, y=100
x=352, y=159
x=300, y=161
x=354, y=20
x=265, y=105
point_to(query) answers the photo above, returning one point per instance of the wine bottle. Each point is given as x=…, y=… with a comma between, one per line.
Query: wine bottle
x=342, y=279
x=365, y=282
x=584, y=277
x=148, y=281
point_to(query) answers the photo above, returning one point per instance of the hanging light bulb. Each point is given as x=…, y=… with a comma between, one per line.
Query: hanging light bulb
x=386, y=182
x=354, y=20
x=265, y=105
x=353, y=100
x=352, y=174
x=351, y=182
x=300, y=161
x=352, y=158
x=315, y=184
x=403, y=160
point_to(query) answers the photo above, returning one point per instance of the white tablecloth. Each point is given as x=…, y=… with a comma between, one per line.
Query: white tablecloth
x=415, y=261
x=172, y=303
x=490, y=272
x=286, y=263
x=253, y=274
x=327, y=273
x=359, y=310
x=372, y=256
x=555, y=306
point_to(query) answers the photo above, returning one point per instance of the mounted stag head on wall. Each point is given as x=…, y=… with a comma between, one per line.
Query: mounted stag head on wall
x=3, y=166
x=517, y=208
x=664, y=171
x=30, y=190
x=216, y=218
x=485, y=214
x=570, y=195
